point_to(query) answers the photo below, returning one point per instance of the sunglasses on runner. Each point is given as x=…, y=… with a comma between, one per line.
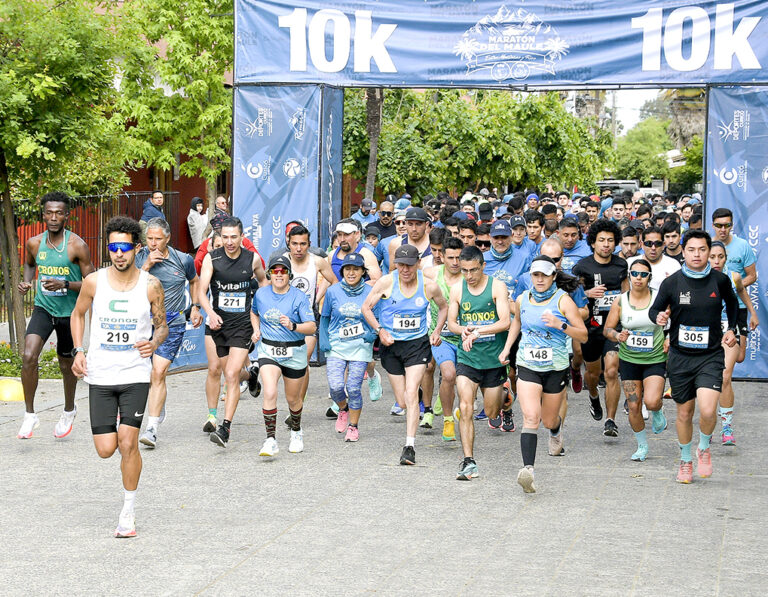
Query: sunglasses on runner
x=483, y=244
x=653, y=243
x=636, y=274
x=556, y=259
x=722, y=225
x=386, y=213
x=280, y=271
x=124, y=247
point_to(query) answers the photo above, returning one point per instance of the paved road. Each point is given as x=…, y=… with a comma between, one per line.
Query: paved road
x=345, y=519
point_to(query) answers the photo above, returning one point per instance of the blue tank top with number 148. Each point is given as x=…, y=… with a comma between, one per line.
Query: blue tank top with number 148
x=405, y=317
x=542, y=348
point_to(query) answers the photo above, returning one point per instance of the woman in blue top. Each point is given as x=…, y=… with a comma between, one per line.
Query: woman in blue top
x=347, y=340
x=548, y=317
x=281, y=318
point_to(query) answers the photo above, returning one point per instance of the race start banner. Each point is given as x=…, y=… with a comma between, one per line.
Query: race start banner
x=331, y=125
x=276, y=161
x=445, y=43
x=737, y=178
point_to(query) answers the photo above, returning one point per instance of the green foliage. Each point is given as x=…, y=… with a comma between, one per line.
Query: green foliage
x=57, y=126
x=692, y=173
x=172, y=86
x=640, y=154
x=10, y=363
x=454, y=139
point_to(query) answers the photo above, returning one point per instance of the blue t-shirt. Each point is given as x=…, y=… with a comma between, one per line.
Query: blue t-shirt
x=347, y=325
x=524, y=283
x=739, y=256
x=509, y=270
x=572, y=256
x=269, y=306
x=364, y=220
x=382, y=253
x=173, y=273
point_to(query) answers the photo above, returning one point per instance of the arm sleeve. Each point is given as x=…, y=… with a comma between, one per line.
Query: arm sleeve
x=731, y=302
x=661, y=302
x=324, y=341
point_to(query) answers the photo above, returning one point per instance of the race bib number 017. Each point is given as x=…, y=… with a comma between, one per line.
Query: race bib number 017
x=351, y=331
x=406, y=323
x=693, y=337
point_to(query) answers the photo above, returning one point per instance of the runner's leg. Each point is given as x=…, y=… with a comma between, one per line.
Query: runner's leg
x=232, y=370
x=612, y=388
x=467, y=390
x=213, y=380
x=413, y=377
x=33, y=346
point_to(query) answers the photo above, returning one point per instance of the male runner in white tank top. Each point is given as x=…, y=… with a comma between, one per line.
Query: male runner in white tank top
x=127, y=325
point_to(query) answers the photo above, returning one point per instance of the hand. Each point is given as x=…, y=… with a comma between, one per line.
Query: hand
x=753, y=323
x=729, y=339
x=386, y=338
x=662, y=318
x=468, y=342
x=214, y=321
x=79, y=367
x=468, y=331
x=596, y=292
x=146, y=348
x=666, y=345
x=52, y=284
x=550, y=320
x=623, y=335
x=24, y=287
x=435, y=339
x=195, y=317
x=256, y=336
x=504, y=357
x=154, y=257
x=286, y=322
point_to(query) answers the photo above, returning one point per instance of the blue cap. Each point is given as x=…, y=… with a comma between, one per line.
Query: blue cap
x=517, y=221
x=402, y=203
x=502, y=211
x=460, y=215
x=501, y=228
x=507, y=198
x=353, y=259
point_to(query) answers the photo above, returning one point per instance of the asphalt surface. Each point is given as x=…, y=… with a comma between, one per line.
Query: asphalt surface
x=346, y=519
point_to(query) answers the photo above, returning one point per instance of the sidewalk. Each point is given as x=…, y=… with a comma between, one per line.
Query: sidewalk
x=346, y=519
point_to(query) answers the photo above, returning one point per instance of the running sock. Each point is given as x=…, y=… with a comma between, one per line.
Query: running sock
x=685, y=452
x=353, y=425
x=346, y=408
x=296, y=418
x=428, y=409
x=704, y=441
x=448, y=418
x=642, y=439
x=128, y=501
x=226, y=423
x=270, y=418
x=528, y=441
x=410, y=441
x=556, y=431
x=213, y=411
x=725, y=414
x=153, y=422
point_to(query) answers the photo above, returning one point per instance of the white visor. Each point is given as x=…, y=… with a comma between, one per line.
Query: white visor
x=346, y=227
x=543, y=267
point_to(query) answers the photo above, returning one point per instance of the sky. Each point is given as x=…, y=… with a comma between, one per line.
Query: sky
x=628, y=104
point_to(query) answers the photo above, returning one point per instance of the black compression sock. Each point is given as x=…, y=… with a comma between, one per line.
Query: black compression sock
x=528, y=441
x=428, y=409
x=226, y=423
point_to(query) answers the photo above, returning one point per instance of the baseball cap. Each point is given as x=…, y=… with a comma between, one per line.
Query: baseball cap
x=543, y=265
x=346, y=227
x=485, y=208
x=355, y=259
x=484, y=192
x=460, y=215
x=366, y=203
x=501, y=228
x=517, y=221
x=399, y=214
x=418, y=214
x=372, y=229
x=407, y=255
x=502, y=211
x=280, y=260
x=402, y=203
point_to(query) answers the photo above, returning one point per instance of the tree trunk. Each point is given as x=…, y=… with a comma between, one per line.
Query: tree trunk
x=373, y=104
x=12, y=251
x=7, y=288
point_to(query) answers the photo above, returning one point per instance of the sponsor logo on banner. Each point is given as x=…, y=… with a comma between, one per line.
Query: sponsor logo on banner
x=259, y=170
x=764, y=175
x=737, y=129
x=261, y=126
x=735, y=175
x=511, y=44
x=298, y=123
x=277, y=231
x=293, y=168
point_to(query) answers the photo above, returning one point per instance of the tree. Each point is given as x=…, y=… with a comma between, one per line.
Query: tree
x=374, y=102
x=685, y=177
x=173, y=88
x=641, y=153
x=57, y=128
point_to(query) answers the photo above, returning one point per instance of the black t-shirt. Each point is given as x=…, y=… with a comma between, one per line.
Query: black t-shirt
x=694, y=323
x=679, y=257
x=593, y=274
x=385, y=231
x=231, y=290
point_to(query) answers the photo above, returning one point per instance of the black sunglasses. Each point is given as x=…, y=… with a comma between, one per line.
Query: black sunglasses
x=653, y=243
x=386, y=213
x=482, y=243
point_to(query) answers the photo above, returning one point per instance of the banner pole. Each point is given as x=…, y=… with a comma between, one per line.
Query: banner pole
x=706, y=156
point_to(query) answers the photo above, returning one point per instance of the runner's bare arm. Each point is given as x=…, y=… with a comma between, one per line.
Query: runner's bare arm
x=433, y=292
x=741, y=291
x=453, y=309
x=576, y=328
x=30, y=264
x=514, y=332
x=195, y=316
x=750, y=275
x=377, y=293
x=611, y=321
x=258, y=271
x=500, y=295
x=156, y=296
x=374, y=272
x=83, y=260
x=77, y=322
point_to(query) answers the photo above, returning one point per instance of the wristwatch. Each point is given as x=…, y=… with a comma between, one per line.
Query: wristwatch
x=196, y=305
x=293, y=326
x=66, y=284
x=77, y=349
x=378, y=330
x=564, y=326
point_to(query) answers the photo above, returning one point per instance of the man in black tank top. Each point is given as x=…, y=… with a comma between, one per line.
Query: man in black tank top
x=227, y=271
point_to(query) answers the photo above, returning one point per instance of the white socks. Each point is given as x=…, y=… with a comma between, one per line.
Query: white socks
x=153, y=423
x=128, y=501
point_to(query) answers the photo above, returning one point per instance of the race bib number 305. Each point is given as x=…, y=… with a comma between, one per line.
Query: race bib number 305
x=232, y=302
x=693, y=337
x=406, y=323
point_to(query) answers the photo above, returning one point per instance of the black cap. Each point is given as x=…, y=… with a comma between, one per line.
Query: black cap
x=418, y=214
x=280, y=260
x=407, y=255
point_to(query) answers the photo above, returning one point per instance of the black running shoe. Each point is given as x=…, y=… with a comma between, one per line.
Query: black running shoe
x=507, y=421
x=408, y=456
x=220, y=437
x=626, y=407
x=254, y=386
x=495, y=422
x=595, y=409
x=329, y=414
x=610, y=429
x=601, y=381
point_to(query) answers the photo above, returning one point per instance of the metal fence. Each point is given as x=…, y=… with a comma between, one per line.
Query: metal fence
x=89, y=215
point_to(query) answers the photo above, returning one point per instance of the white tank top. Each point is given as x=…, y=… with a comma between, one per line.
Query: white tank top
x=118, y=321
x=305, y=281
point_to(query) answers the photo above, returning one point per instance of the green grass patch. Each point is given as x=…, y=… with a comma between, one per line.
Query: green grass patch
x=10, y=362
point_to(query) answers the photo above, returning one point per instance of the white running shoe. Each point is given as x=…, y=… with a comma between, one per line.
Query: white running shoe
x=162, y=415
x=297, y=442
x=269, y=447
x=126, y=526
x=31, y=422
x=645, y=413
x=64, y=426
x=243, y=386
x=149, y=437
x=525, y=479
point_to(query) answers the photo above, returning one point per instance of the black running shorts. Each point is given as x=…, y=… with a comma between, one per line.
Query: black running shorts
x=485, y=378
x=234, y=337
x=130, y=400
x=597, y=346
x=687, y=373
x=43, y=324
x=637, y=372
x=405, y=353
x=551, y=382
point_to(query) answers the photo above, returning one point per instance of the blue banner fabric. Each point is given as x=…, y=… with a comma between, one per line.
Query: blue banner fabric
x=737, y=178
x=330, y=162
x=490, y=43
x=276, y=161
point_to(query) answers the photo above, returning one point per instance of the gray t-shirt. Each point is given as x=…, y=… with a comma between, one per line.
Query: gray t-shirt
x=173, y=273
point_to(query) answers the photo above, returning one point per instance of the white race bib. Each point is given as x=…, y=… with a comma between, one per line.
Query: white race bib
x=483, y=337
x=279, y=353
x=538, y=355
x=693, y=337
x=60, y=292
x=604, y=302
x=406, y=323
x=640, y=341
x=348, y=332
x=232, y=302
x=445, y=331
x=118, y=336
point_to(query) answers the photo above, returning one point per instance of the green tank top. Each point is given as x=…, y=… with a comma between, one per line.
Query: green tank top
x=55, y=264
x=480, y=310
x=445, y=334
x=645, y=344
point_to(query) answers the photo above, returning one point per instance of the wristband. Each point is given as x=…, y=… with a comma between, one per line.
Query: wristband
x=66, y=284
x=77, y=349
x=196, y=305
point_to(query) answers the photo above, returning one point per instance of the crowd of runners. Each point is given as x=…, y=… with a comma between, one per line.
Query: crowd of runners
x=469, y=305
